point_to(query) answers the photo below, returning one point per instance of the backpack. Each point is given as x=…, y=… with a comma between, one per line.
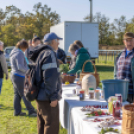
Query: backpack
x=31, y=85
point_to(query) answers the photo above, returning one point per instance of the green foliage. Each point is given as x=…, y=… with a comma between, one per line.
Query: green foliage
x=28, y=125
x=112, y=33
x=15, y=25
x=10, y=124
x=105, y=130
x=64, y=68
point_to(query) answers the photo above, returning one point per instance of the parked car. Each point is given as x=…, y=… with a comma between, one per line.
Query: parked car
x=7, y=52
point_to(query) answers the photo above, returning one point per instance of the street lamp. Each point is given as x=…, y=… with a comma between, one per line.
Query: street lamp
x=91, y=10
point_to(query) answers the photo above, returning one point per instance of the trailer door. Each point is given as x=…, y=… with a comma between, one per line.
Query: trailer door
x=90, y=38
x=72, y=33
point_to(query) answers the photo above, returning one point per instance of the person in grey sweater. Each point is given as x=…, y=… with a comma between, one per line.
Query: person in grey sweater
x=3, y=65
x=18, y=70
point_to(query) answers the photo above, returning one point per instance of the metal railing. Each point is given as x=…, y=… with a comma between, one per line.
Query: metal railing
x=107, y=56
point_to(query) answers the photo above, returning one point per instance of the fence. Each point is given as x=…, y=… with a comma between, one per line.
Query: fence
x=107, y=56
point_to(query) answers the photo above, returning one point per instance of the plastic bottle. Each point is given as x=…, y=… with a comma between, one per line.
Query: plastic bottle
x=97, y=94
x=82, y=95
x=102, y=93
x=116, y=109
x=78, y=89
x=91, y=93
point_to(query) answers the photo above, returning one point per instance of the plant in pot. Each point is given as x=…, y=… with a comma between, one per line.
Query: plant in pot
x=64, y=68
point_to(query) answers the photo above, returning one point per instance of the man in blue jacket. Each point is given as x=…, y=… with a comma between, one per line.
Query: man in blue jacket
x=50, y=89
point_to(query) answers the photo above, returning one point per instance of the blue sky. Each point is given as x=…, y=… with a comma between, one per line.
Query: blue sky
x=76, y=10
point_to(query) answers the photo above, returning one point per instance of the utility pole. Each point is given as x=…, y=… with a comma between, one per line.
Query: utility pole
x=91, y=10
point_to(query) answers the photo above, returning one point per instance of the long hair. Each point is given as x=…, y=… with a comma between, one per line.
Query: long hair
x=22, y=44
x=79, y=43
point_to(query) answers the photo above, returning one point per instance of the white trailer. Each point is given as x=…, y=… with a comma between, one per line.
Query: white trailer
x=84, y=31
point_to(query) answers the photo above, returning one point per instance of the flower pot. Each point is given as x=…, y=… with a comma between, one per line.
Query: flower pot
x=68, y=78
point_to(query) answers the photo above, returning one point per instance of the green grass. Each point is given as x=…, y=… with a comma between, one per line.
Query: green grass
x=106, y=60
x=28, y=125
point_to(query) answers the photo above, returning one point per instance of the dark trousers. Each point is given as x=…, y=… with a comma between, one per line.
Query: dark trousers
x=47, y=118
x=130, y=98
x=1, y=79
x=18, y=84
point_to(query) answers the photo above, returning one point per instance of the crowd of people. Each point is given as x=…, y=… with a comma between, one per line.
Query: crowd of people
x=47, y=57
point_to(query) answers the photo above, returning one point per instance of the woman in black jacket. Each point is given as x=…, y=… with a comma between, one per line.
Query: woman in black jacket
x=61, y=55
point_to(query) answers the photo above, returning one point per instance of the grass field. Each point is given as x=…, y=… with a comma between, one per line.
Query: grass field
x=105, y=60
x=28, y=125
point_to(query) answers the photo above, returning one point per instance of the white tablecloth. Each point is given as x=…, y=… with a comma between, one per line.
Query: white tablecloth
x=78, y=125
x=71, y=117
x=70, y=101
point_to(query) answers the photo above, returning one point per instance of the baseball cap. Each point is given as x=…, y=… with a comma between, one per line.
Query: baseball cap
x=128, y=35
x=51, y=36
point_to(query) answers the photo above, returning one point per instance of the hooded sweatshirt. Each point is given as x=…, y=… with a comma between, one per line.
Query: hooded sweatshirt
x=82, y=56
x=18, y=63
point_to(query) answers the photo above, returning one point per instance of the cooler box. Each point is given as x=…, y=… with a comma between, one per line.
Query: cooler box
x=115, y=86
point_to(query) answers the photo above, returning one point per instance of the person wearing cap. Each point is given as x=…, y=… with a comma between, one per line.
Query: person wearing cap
x=124, y=64
x=47, y=72
x=3, y=65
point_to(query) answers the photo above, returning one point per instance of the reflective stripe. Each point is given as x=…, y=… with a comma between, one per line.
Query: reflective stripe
x=58, y=69
x=53, y=57
x=49, y=66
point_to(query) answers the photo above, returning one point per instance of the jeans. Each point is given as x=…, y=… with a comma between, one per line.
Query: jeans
x=0, y=84
x=18, y=84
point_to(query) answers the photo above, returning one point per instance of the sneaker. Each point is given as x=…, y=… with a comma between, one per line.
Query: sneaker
x=21, y=114
x=34, y=114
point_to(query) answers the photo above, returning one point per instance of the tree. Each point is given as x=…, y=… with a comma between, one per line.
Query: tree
x=120, y=28
x=130, y=26
x=103, y=22
x=45, y=19
x=15, y=25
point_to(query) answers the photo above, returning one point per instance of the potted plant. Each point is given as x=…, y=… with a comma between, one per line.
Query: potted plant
x=64, y=68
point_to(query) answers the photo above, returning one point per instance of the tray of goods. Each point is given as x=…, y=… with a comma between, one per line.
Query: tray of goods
x=91, y=108
x=109, y=122
x=96, y=112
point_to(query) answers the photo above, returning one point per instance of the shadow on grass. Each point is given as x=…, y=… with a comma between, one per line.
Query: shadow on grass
x=9, y=108
x=1, y=106
x=104, y=68
x=6, y=108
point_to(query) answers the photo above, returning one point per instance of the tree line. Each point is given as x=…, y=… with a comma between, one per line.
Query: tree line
x=14, y=25
x=112, y=33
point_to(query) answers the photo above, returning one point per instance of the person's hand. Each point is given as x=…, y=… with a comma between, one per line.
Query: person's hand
x=60, y=61
x=54, y=103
